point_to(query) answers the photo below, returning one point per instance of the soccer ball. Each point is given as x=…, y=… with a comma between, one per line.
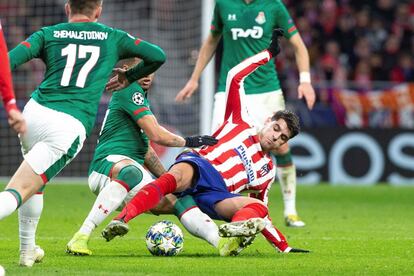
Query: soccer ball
x=164, y=238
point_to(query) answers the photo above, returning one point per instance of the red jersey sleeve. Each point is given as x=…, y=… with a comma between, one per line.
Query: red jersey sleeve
x=6, y=85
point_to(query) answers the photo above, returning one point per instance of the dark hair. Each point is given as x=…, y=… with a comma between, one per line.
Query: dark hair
x=291, y=119
x=85, y=7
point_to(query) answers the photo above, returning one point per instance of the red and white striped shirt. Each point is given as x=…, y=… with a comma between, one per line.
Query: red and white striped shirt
x=238, y=156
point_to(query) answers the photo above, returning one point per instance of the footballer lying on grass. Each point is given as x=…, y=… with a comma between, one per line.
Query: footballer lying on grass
x=215, y=175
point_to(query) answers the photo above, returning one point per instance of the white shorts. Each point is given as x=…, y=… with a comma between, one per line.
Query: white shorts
x=260, y=107
x=52, y=139
x=99, y=178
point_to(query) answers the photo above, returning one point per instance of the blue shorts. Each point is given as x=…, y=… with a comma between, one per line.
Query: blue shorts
x=208, y=187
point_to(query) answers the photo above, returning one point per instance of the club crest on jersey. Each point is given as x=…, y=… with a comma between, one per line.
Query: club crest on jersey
x=138, y=98
x=260, y=18
x=265, y=169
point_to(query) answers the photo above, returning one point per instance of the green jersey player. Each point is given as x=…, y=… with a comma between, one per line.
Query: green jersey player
x=246, y=29
x=79, y=56
x=116, y=172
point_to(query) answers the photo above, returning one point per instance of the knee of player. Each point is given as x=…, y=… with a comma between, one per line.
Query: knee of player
x=182, y=172
x=130, y=176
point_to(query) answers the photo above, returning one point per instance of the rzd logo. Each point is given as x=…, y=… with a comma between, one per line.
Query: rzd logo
x=256, y=32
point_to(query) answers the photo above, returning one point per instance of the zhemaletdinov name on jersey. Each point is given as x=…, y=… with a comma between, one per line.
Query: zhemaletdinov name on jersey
x=84, y=35
x=255, y=32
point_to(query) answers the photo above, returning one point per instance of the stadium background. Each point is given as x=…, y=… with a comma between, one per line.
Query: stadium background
x=362, y=57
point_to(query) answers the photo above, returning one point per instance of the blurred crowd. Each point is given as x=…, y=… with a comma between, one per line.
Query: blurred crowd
x=353, y=40
x=361, y=41
x=363, y=47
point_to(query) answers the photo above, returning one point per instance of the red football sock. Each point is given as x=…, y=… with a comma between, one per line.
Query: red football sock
x=148, y=197
x=253, y=210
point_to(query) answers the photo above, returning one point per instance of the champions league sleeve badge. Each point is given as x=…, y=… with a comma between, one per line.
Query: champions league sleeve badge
x=138, y=98
x=260, y=18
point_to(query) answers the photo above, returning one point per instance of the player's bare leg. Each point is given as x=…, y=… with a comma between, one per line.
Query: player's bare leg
x=22, y=186
x=286, y=173
x=24, y=183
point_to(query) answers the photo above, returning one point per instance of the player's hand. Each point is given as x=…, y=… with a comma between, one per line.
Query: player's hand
x=119, y=81
x=198, y=141
x=17, y=121
x=306, y=90
x=187, y=91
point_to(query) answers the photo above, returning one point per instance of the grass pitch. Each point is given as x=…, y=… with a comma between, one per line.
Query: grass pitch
x=350, y=230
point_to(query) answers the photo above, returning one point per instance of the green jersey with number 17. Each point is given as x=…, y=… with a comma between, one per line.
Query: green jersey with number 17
x=247, y=30
x=79, y=58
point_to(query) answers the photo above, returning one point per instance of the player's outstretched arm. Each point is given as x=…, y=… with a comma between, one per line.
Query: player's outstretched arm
x=153, y=163
x=305, y=89
x=207, y=51
x=152, y=58
x=162, y=136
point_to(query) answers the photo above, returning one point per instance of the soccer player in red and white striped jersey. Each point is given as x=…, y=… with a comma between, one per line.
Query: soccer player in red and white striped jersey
x=16, y=120
x=240, y=161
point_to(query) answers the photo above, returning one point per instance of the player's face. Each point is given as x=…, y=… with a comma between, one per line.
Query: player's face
x=146, y=82
x=274, y=134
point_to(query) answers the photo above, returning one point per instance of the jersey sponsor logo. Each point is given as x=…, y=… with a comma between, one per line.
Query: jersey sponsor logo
x=247, y=162
x=82, y=35
x=138, y=98
x=231, y=17
x=256, y=32
x=260, y=18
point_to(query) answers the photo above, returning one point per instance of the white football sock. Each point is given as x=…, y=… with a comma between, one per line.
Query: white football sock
x=200, y=225
x=108, y=200
x=8, y=204
x=287, y=179
x=29, y=215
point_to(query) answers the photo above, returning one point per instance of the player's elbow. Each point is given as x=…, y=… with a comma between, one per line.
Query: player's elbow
x=160, y=57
